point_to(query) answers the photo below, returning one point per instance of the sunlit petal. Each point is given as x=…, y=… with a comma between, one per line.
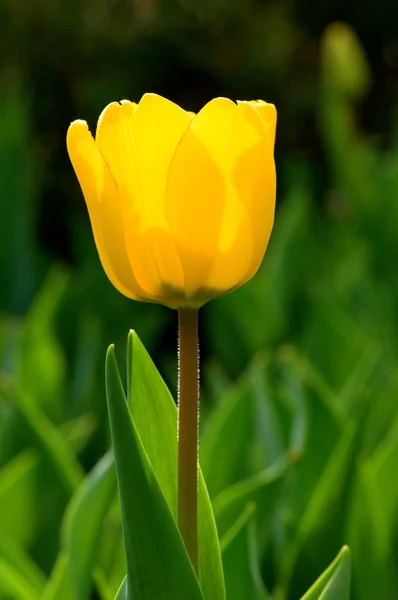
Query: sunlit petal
x=268, y=115
x=120, y=140
x=256, y=180
x=102, y=201
x=203, y=206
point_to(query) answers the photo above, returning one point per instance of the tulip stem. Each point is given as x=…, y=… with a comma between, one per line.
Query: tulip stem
x=188, y=427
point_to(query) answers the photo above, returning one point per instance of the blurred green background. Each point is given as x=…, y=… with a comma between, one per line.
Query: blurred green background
x=301, y=363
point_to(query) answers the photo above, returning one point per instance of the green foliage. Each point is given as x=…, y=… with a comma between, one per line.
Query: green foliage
x=83, y=524
x=155, y=415
x=334, y=583
x=240, y=559
x=158, y=565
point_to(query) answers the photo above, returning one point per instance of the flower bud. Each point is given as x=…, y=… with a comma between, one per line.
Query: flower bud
x=181, y=205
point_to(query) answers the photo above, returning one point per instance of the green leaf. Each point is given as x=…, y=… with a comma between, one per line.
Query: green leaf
x=373, y=563
x=335, y=582
x=350, y=397
x=82, y=533
x=240, y=559
x=18, y=495
x=122, y=592
x=327, y=493
x=230, y=419
x=47, y=437
x=19, y=571
x=325, y=426
x=262, y=489
x=266, y=418
x=317, y=488
x=321, y=517
x=11, y=582
x=112, y=560
x=102, y=585
x=381, y=473
x=40, y=351
x=155, y=416
x=158, y=565
x=59, y=586
x=78, y=432
x=83, y=523
x=337, y=360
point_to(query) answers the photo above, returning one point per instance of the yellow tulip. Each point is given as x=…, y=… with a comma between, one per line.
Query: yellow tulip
x=181, y=205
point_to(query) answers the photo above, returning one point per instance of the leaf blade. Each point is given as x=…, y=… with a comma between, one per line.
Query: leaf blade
x=335, y=581
x=155, y=416
x=153, y=543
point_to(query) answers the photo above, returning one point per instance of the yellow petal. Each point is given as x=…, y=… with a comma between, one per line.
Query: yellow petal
x=138, y=144
x=102, y=202
x=204, y=208
x=268, y=115
x=157, y=129
x=255, y=178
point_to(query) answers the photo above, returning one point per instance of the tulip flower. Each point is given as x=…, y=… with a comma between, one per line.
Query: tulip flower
x=181, y=205
x=182, y=208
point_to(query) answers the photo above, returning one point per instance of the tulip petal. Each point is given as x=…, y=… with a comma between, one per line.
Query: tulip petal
x=138, y=144
x=255, y=177
x=204, y=208
x=268, y=115
x=102, y=201
x=157, y=129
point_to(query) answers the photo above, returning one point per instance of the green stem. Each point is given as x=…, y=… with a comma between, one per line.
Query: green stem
x=188, y=425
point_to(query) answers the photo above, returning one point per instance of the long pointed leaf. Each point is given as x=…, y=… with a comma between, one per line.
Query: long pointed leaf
x=83, y=523
x=242, y=577
x=158, y=565
x=335, y=582
x=155, y=416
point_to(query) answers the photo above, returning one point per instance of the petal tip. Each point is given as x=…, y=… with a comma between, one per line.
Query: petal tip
x=154, y=101
x=222, y=100
x=111, y=112
x=128, y=107
x=78, y=126
x=77, y=131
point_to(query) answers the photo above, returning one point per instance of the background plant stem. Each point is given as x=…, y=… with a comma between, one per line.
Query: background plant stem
x=188, y=422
